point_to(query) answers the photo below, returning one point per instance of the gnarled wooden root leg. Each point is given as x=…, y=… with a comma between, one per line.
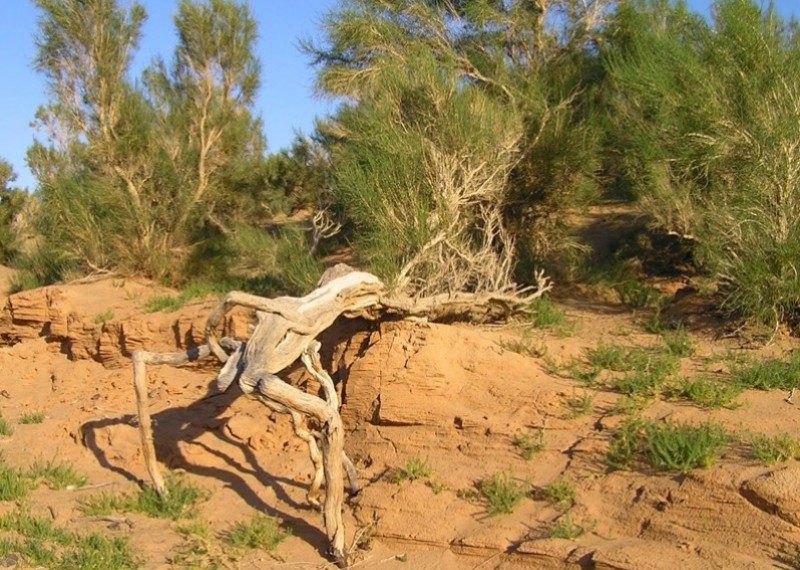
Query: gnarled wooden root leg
x=141, y=359
x=273, y=388
x=311, y=361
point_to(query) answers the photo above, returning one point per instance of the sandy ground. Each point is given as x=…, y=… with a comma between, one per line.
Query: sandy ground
x=455, y=396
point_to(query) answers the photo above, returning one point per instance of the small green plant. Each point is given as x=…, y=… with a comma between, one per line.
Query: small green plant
x=626, y=444
x=529, y=445
x=648, y=371
x=566, y=529
x=5, y=427
x=777, y=449
x=683, y=447
x=436, y=486
x=769, y=374
x=104, y=317
x=562, y=492
x=57, y=475
x=608, y=356
x=31, y=418
x=579, y=405
x=14, y=483
x=200, y=548
x=525, y=345
x=678, y=342
x=636, y=294
x=165, y=303
x=502, y=493
x=546, y=314
x=39, y=543
x=181, y=501
x=706, y=393
x=416, y=468
x=193, y=290
x=260, y=531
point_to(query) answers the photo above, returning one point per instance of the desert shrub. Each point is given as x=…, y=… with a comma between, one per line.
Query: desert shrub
x=704, y=116
x=454, y=162
x=666, y=446
x=768, y=374
x=776, y=449
x=706, y=393
x=502, y=493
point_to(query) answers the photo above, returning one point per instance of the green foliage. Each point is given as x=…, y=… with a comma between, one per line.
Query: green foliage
x=502, y=493
x=768, y=374
x=561, y=492
x=566, y=529
x=181, y=501
x=260, y=532
x=678, y=342
x=666, y=446
x=777, y=449
x=529, y=446
x=57, y=475
x=14, y=484
x=524, y=345
x=637, y=294
x=625, y=444
x=703, y=118
x=41, y=544
x=547, y=314
x=31, y=418
x=141, y=172
x=104, y=317
x=13, y=202
x=706, y=393
x=450, y=144
x=646, y=370
x=579, y=405
x=415, y=468
x=193, y=290
x=5, y=427
x=682, y=447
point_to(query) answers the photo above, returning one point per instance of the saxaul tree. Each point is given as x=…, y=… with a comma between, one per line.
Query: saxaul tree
x=463, y=140
x=130, y=172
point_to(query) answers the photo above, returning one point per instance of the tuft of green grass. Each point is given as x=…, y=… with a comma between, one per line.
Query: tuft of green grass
x=608, y=356
x=683, y=447
x=502, y=493
x=181, y=501
x=637, y=294
x=260, y=531
x=777, y=449
x=525, y=345
x=38, y=542
x=626, y=444
x=200, y=548
x=193, y=290
x=547, y=314
x=561, y=492
x=527, y=445
x=31, y=418
x=14, y=483
x=5, y=427
x=104, y=317
x=647, y=373
x=706, y=393
x=416, y=468
x=566, y=529
x=579, y=405
x=769, y=374
x=57, y=475
x=678, y=342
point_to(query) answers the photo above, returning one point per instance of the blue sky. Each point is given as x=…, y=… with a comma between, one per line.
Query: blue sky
x=286, y=100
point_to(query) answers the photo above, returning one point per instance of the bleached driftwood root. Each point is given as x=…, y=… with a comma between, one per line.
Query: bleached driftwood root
x=286, y=331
